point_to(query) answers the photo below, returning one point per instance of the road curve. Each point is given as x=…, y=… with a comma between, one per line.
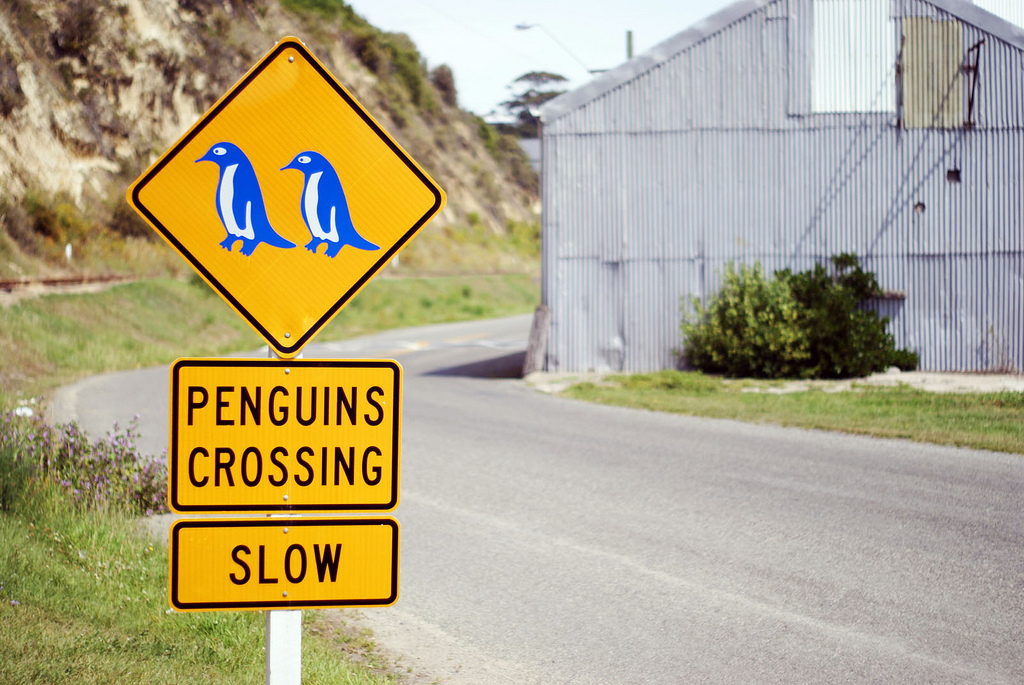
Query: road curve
x=551, y=541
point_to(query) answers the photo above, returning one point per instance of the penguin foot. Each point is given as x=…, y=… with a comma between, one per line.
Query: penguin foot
x=333, y=249
x=249, y=247
x=228, y=242
x=312, y=245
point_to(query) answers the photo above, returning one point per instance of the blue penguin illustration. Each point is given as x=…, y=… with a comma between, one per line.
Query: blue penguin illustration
x=240, y=202
x=324, y=208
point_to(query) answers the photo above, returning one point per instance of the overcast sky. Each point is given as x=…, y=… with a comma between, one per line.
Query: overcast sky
x=479, y=41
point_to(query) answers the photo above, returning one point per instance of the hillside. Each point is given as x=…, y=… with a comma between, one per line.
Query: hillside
x=92, y=91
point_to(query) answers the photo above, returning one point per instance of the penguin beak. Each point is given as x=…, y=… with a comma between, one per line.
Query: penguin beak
x=289, y=165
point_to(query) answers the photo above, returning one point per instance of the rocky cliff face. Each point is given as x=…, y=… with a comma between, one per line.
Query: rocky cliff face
x=92, y=91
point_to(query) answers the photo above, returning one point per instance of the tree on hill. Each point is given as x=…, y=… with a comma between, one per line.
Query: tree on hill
x=534, y=89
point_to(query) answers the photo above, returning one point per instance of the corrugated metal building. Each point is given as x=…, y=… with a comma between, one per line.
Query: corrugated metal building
x=784, y=132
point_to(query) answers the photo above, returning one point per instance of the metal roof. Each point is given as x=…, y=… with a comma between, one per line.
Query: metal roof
x=968, y=12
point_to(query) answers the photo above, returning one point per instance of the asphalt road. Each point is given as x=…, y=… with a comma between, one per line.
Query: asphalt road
x=551, y=541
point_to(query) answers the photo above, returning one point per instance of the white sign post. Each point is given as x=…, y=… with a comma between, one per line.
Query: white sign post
x=284, y=630
x=284, y=647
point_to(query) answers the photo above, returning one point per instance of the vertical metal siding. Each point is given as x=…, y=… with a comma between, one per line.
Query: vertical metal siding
x=653, y=187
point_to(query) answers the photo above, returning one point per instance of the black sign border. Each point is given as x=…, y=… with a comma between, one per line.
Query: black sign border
x=300, y=342
x=175, y=564
x=173, y=456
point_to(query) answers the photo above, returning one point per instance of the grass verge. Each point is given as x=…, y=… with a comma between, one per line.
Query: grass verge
x=83, y=590
x=83, y=599
x=52, y=340
x=992, y=421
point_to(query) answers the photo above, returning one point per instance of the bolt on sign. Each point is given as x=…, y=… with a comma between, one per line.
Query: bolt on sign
x=287, y=197
x=284, y=435
x=282, y=563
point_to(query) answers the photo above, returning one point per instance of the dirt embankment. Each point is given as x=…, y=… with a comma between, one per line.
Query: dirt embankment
x=92, y=91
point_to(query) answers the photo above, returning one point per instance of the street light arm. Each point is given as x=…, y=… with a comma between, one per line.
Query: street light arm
x=526, y=27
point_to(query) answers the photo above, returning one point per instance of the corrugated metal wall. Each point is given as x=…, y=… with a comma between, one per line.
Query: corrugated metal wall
x=716, y=154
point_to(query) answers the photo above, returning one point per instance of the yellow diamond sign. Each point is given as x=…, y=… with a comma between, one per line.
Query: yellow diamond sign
x=287, y=197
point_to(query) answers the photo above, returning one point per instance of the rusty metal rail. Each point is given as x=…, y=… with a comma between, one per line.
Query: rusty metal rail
x=11, y=284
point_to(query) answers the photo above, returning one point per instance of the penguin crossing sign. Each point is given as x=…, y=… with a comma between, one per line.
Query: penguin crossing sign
x=287, y=250
x=297, y=435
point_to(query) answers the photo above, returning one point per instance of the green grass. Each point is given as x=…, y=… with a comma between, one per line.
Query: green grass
x=993, y=421
x=473, y=248
x=83, y=599
x=397, y=303
x=49, y=341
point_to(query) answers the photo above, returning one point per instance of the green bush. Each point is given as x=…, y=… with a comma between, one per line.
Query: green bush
x=846, y=340
x=370, y=49
x=511, y=156
x=105, y=472
x=806, y=325
x=444, y=83
x=487, y=134
x=408, y=68
x=328, y=9
x=395, y=60
x=55, y=218
x=751, y=329
x=904, y=360
x=126, y=222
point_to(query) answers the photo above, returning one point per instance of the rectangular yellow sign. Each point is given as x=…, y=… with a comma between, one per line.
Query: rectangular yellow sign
x=282, y=563
x=284, y=435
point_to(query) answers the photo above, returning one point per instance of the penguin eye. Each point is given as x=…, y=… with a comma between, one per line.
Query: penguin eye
x=304, y=159
x=219, y=151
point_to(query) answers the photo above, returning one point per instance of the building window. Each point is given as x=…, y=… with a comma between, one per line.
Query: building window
x=932, y=80
x=853, y=56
